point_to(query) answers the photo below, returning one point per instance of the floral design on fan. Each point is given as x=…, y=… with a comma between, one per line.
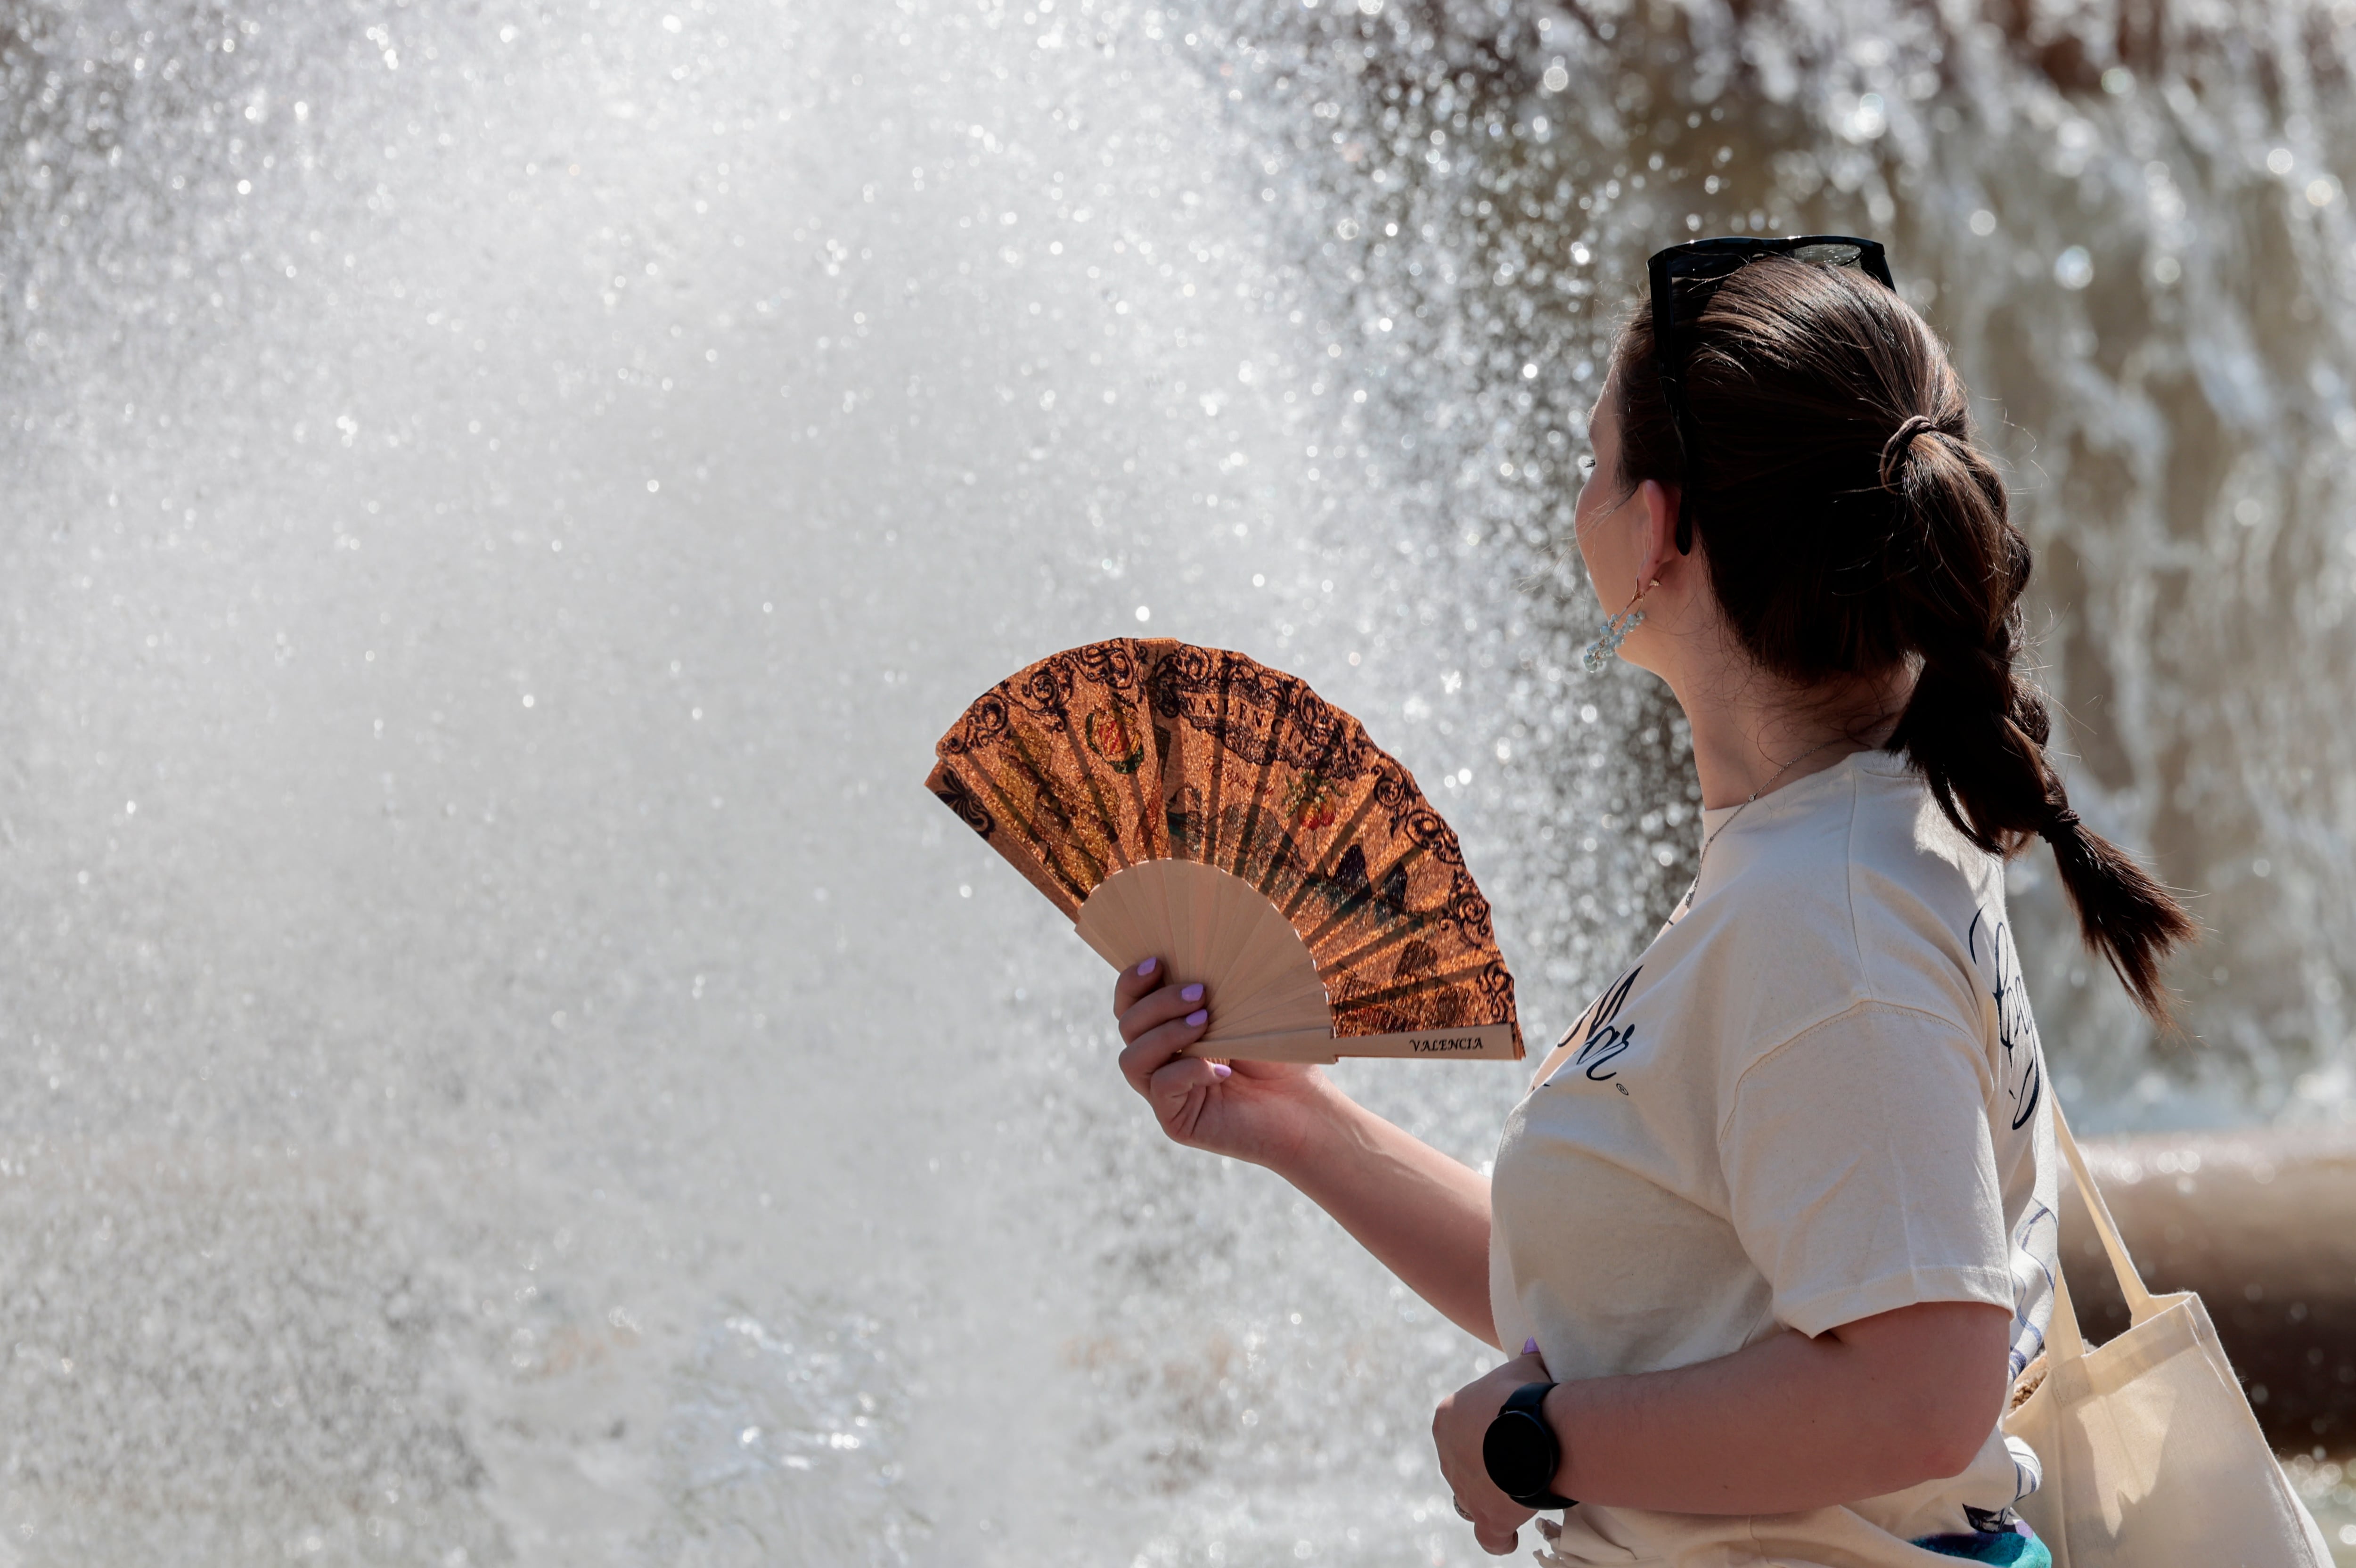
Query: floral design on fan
x=1310, y=802
x=1132, y=753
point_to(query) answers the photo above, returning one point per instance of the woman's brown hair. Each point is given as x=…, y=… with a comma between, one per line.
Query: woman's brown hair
x=1851, y=525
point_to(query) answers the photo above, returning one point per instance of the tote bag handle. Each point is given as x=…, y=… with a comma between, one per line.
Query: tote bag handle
x=2141, y=1302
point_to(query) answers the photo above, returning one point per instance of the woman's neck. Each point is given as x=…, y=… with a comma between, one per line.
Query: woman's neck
x=1753, y=734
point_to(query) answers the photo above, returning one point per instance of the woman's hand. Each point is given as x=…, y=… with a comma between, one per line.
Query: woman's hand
x=1425, y=1215
x=1262, y=1112
x=1458, y=1427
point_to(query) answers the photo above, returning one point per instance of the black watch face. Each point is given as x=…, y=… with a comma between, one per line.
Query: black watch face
x=1519, y=1454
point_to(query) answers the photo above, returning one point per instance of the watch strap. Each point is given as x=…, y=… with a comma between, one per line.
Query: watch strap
x=1529, y=1401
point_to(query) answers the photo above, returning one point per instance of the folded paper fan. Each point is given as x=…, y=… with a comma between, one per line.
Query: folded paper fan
x=1191, y=805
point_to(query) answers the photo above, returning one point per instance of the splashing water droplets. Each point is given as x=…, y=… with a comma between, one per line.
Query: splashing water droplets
x=836, y=394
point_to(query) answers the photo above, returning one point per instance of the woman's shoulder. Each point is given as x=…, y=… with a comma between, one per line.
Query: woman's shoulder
x=1864, y=892
x=1905, y=851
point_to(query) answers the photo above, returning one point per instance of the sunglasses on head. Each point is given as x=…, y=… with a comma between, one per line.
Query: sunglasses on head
x=1683, y=279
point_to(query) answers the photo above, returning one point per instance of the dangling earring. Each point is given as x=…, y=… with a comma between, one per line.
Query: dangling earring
x=1615, y=632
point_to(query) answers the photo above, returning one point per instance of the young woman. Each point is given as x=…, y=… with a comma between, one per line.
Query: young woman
x=1774, y=1229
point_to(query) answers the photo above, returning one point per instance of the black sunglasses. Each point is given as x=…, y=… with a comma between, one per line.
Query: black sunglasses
x=1683, y=279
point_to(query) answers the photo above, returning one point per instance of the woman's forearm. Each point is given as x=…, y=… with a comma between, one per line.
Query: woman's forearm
x=1791, y=1423
x=1424, y=1215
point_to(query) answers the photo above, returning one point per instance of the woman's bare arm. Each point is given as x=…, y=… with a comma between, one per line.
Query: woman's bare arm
x=1424, y=1215
x=1789, y=1424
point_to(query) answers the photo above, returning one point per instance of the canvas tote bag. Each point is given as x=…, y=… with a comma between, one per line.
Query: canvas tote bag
x=2152, y=1457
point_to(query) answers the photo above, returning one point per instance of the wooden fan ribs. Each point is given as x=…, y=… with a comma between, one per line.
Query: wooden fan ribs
x=1330, y=895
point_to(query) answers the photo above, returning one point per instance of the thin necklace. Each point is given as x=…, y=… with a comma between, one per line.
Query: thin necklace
x=1688, y=901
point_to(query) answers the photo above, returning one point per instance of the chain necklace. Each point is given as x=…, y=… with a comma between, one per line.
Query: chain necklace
x=1686, y=902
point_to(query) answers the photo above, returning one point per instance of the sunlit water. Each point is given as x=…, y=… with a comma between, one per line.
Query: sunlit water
x=503, y=1061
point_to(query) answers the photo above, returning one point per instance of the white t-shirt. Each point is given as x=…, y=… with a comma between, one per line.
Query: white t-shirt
x=1816, y=1096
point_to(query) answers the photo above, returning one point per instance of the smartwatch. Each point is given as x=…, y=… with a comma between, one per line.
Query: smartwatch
x=1520, y=1451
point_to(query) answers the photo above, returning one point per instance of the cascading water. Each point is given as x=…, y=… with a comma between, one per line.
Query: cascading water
x=507, y=1065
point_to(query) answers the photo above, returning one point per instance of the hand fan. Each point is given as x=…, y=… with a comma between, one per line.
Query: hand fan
x=1190, y=804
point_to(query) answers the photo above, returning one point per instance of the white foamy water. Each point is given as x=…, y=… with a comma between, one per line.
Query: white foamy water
x=506, y=1062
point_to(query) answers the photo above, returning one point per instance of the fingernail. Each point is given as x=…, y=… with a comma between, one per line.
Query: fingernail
x=1199, y=1016
x=1529, y=1347
x=1147, y=967
x=1220, y=1069
x=1193, y=993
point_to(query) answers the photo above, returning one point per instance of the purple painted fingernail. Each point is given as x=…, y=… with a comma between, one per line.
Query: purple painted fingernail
x=1220, y=1071
x=1147, y=967
x=1529, y=1347
x=1199, y=1016
x=1193, y=993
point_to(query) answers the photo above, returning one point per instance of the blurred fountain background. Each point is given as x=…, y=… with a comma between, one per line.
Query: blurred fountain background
x=502, y=1061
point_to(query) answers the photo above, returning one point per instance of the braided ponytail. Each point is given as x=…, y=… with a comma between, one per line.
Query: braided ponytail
x=1851, y=526
x=1977, y=731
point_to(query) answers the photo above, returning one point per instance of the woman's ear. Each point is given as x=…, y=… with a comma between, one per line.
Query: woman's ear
x=1660, y=552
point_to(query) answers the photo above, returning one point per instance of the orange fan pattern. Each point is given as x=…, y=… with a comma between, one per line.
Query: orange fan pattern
x=1123, y=753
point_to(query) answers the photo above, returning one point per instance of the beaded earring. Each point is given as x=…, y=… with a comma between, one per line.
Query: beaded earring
x=1615, y=632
